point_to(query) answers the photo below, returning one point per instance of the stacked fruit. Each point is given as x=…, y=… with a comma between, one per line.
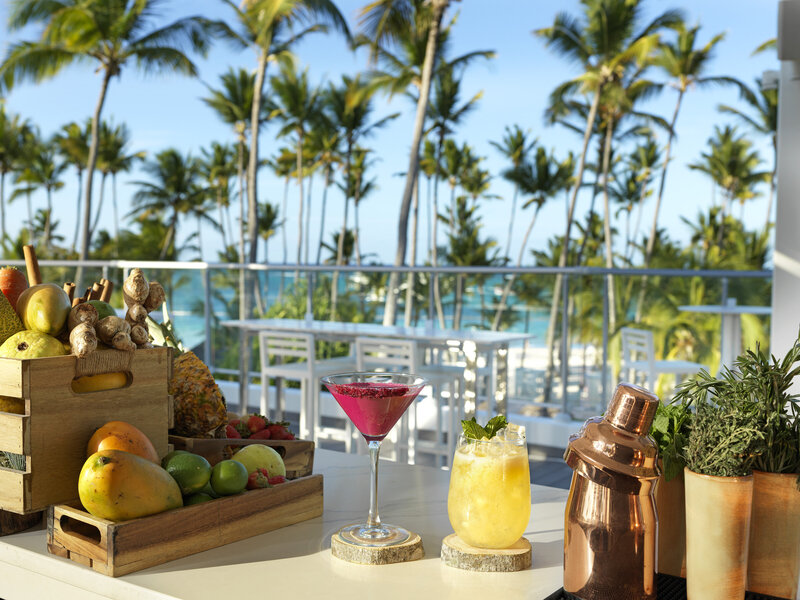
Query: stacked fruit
x=123, y=479
x=257, y=427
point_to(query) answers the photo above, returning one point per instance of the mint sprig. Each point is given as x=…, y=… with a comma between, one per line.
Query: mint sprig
x=475, y=431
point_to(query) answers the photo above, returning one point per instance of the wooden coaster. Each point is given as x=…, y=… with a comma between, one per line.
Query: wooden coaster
x=457, y=553
x=409, y=550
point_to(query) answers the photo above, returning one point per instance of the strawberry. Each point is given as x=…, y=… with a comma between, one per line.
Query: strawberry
x=276, y=430
x=258, y=479
x=264, y=434
x=277, y=479
x=244, y=432
x=231, y=431
x=234, y=422
x=256, y=423
x=288, y=436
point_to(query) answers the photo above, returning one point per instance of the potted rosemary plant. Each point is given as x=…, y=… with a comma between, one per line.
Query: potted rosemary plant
x=670, y=431
x=723, y=443
x=774, y=556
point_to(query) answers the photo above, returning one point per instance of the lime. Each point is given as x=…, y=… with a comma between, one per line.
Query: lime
x=191, y=471
x=228, y=477
x=209, y=490
x=166, y=458
x=197, y=498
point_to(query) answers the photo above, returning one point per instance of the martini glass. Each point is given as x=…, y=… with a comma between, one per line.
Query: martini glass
x=374, y=402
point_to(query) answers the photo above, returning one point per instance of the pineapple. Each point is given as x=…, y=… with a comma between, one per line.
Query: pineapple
x=199, y=405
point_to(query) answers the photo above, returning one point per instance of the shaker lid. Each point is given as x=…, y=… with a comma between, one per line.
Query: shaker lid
x=615, y=450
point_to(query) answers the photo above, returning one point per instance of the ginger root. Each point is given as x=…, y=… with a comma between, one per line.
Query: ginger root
x=115, y=332
x=135, y=289
x=83, y=339
x=82, y=313
x=136, y=315
x=139, y=334
x=155, y=297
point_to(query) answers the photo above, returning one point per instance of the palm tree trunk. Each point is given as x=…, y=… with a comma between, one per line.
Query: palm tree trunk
x=638, y=226
x=30, y=216
x=410, y=280
x=459, y=301
x=220, y=208
x=252, y=166
x=78, y=210
x=199, y=239
x=307, y=236
x=91, y=163
x=168, y=239
x=340, y=243
x=283, y=232
x=242, y=275
x=562, y=258
x=356, y=230
x=48, y=217
x=648, y=255
x=511, y=220
x=328, y=172
x=99, y=203
x=612, y=307
x=116, y=216
x=300, y=219
x=437, y=294
x=439, y=7
x=507, y=289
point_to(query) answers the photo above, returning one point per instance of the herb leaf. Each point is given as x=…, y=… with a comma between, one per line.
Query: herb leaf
x=476, y=432
x=473, y=430
x=494, y=425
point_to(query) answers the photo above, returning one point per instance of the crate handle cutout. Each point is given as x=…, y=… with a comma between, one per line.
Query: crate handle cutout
x=102, y=382
x=80, y=529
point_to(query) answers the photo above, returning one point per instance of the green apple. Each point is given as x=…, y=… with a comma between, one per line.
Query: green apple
x=259, y=456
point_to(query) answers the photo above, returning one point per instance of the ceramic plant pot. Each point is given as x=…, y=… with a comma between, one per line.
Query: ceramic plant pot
x=717, y=535
x=671, y=510
x=773, y=566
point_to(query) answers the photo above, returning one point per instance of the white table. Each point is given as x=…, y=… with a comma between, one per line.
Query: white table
x=730, y=325
x=295, y=562
x=471, y=343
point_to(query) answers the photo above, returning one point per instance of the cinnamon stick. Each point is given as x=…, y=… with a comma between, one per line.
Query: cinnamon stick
x=96, y=291
x=108, y=287
x=69, y=287
x=32, y=265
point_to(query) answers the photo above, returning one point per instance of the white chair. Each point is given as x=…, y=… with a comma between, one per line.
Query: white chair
x=639, y=356
x=380, y=354
x=275, y=349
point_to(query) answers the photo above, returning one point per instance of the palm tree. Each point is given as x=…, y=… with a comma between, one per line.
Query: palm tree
x=607, y=41
x=514, y=146
x=732, y=164
x=297, y=104
x=112, y=32
x=175, y=192
x=325, y=141
x=217, y=166
x=384, y=22
x=42, y=171
x=268, y=27
x=764, y=103
x=113, y=158
x=358, y=188
x=73, y=144
x=642, y=163
x=541, y=180
x=268, y=225
x=685, y=64
x=13, y=132
x=349, y=106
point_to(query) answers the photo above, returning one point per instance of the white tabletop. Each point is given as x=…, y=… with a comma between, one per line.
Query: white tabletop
x=352, y=330
x=296, y=561
x=728, y=309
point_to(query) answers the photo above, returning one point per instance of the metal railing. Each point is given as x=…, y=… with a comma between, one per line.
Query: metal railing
x=310, y=273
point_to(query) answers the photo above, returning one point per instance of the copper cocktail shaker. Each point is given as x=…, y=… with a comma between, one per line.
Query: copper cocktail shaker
x=610, y=523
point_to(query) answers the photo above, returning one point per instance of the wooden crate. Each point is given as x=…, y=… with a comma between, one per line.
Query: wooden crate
x=298, y=455
x=118, y=548
x=57, y=424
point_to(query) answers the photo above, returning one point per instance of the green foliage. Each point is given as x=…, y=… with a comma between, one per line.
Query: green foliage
x=670, y=430
x=474, y=431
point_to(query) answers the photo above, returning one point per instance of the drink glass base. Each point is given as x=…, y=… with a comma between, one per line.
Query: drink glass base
x=373, y=537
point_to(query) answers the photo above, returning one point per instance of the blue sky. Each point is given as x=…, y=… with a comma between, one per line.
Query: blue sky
x=166, y=111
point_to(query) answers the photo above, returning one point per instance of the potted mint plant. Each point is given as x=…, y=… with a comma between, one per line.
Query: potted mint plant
x=723, y=444
x=773, y=567
x=670, y=431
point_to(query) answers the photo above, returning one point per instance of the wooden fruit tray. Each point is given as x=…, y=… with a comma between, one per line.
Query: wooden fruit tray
x=58, y=422
x=298, y=455
x=118, y=548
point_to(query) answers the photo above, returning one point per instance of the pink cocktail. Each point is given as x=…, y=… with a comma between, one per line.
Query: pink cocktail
x=374, y=402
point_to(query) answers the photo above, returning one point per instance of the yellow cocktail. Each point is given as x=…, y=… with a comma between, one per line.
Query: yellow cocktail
x=489, y=502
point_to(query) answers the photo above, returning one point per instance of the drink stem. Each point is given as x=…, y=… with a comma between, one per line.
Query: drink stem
x=374, y=520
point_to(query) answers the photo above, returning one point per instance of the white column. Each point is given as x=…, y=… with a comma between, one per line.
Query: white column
x=786, y=279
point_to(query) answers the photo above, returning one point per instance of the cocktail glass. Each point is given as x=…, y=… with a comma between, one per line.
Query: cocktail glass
x=374, y=402
x=489, y=502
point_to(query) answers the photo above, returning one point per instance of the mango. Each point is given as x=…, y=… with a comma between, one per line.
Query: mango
x=31, y=344
x=44, y=307
x=119, y=435
x=100, y=382
x=118, y=486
